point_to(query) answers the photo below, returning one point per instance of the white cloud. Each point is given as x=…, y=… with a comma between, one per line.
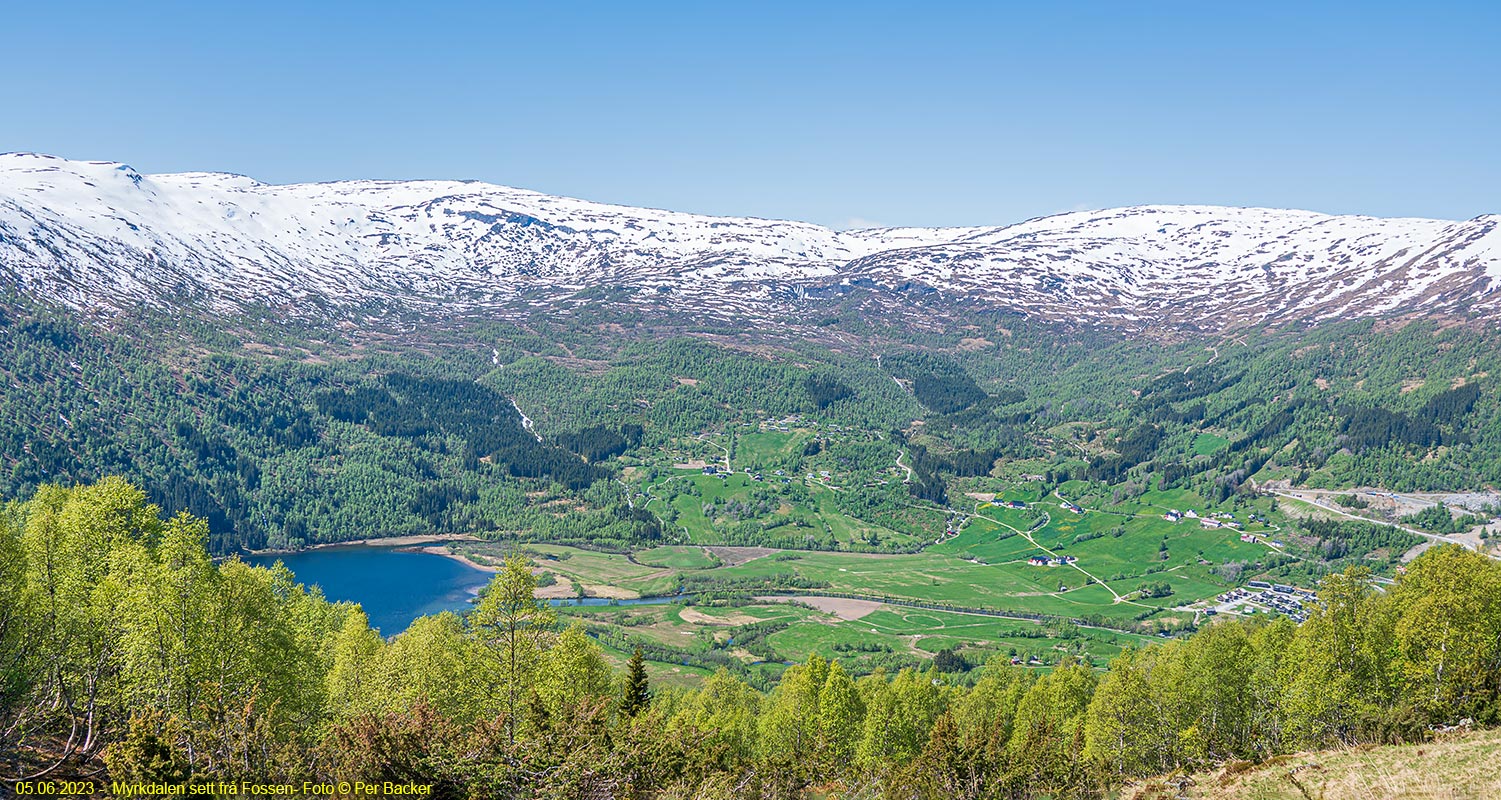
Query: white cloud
x=856, y=223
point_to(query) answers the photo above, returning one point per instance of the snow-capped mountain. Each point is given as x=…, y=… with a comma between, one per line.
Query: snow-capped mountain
x=101, y=236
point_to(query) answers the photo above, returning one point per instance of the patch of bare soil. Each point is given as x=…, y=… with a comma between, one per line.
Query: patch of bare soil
x=697, y=617
x=1417, y=550
x=735, y=556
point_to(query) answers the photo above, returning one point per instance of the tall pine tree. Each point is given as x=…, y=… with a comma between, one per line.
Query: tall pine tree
x=637, y=689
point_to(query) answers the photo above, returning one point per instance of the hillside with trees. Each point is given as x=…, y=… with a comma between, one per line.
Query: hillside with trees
x=284, y=437
x=127, y=653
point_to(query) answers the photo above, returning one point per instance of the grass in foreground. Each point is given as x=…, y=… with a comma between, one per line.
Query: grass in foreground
x=1458, y=768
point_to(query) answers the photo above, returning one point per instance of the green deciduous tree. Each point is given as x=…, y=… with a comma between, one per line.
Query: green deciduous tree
x=1447, y=629
x=841, y=715
x=573, y=672
x=516, y=626
x=1046, y=750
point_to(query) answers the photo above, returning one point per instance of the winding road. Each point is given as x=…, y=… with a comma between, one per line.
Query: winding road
x=727, y=467
x=1331, y=509
x=899, y=463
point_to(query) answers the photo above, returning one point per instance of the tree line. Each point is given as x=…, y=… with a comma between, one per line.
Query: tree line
x=284, y=451
x=125, y=647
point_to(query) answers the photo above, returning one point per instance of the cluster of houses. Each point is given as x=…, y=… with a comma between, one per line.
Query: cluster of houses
x=1217, y=520
x=1288, y=600
x=1057, y=561
x=787, y=423
x=1071, y=507
x=1210, y=522
x=1213, y=521
x=1012, y=504
x=721, y=472
x=784, y=424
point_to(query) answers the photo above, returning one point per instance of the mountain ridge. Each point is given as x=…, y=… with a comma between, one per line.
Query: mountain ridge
x=103, y=237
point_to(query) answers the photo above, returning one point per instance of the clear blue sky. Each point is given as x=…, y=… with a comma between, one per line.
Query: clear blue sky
x=894, y=113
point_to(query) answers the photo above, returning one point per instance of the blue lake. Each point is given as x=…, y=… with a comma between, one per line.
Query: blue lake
x=394, y=586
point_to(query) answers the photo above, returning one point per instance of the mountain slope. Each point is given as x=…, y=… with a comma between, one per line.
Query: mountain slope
x=101, y=236
x=1453, y=767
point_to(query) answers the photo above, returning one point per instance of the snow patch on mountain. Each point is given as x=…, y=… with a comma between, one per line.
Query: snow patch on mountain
x=100, y=235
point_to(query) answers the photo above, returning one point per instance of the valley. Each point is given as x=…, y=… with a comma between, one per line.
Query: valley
x=758, y=401
x=1034, y=573
x=976, y=510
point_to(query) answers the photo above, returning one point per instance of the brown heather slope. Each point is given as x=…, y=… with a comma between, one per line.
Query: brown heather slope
x=1457, y=767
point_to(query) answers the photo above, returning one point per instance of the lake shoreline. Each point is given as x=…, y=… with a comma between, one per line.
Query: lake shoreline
x=436, y=550
x=394, y=584
x=412, y=541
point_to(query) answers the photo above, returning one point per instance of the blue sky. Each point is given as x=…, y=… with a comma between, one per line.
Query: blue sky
x=889, y=113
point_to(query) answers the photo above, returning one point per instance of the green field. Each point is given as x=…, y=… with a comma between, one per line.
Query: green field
x=1119, y=544
x=678, y=557
x=987, y=541
x=886, y=636
x=768, y=451
x=946, y=578
x=780, y=504
x=924, y=632
x=1118, y=541
x=1208, y=444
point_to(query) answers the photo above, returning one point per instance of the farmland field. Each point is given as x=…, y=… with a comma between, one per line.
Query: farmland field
x=1208, y=443
x=1019, y=570
x=886, y=636
x=707, y=507
x=680, y=557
